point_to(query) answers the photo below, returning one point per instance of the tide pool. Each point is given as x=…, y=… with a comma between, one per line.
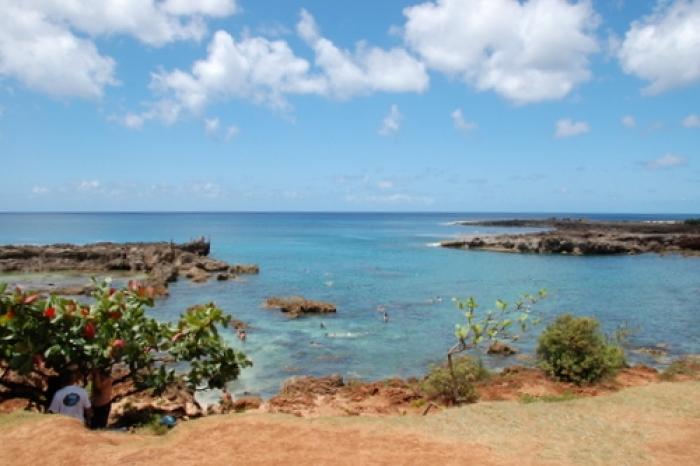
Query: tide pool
x=364, y=262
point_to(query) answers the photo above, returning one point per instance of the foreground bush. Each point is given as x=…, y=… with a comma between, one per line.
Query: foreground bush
x=481, y=329
x=41, y=339
x=442, y=385
x=573, y=349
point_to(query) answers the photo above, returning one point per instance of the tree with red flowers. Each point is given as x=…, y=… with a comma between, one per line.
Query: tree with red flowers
x=41, y=337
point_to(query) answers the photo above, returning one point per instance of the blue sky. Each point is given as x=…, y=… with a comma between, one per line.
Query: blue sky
x=450, y=105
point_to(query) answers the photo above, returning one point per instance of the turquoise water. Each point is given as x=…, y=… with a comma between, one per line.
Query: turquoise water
x=363, y=261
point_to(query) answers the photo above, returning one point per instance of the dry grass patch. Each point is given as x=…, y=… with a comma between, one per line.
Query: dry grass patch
x=654, y=424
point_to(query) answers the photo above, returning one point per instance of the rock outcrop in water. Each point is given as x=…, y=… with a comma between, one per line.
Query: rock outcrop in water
x=162, y=262
x=296, y=306
x=585, y=237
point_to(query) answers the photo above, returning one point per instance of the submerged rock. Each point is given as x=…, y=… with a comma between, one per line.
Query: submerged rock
x=238, y=324
x=501, y=349
x=296, y=306
x=244, y=269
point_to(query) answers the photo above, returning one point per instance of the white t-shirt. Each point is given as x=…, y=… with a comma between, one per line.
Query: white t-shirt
x=71, y=401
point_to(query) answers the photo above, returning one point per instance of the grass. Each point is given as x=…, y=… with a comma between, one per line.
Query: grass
x=654, y=424
x=16, y=418
x=611, y=429
x=566, y=396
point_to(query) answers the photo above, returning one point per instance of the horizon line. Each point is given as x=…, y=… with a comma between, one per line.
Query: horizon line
x=534, y=212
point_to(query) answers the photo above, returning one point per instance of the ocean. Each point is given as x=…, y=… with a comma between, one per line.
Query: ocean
x=363, y=262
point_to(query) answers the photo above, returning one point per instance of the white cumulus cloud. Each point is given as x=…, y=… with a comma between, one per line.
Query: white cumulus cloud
x=691, y=121
x=392, y=122
x=88, y=185
x=367, y=69
x=152, y=22
x=664, y=47
x=628, y=121
x=390, y=199
x=133, y=121
x=49, y=45
x=567, y=127
x=215, y=8
x=666, y=161
x=253, y=68
x=231, y=132
x=40, y=190
x=267, y=71
x=47, y=57
x=211, y=126
x=526, y=51
x=460, y=123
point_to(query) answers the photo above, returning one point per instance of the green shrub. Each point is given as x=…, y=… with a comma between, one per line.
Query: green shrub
x=573, y=349
x=692, y=221
x=40, y=336
x=688, y=366
x=440, y=385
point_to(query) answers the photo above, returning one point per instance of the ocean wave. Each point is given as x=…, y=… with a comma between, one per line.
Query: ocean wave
x=345, y=334
x=436, y=244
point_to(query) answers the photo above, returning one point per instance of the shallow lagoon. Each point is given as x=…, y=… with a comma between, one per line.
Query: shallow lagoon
x=364, y=261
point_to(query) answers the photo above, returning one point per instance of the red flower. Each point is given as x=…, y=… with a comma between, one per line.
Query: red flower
x=115, y=315
x=85, y=311
x=10, y=314
x=50, y=313
x=38, y=360
x=89, y=331
x=118, y=344
x=112, y=291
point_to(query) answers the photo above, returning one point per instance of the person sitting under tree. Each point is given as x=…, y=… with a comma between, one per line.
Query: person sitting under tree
x=101, y=398
x=72, y=400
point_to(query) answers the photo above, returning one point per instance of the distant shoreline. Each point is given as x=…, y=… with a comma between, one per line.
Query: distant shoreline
x=581, y=236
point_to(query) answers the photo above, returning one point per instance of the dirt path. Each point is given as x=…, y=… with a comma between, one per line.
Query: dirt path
x=655, y=424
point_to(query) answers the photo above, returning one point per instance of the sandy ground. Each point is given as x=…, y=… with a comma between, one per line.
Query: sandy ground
x=654, y=424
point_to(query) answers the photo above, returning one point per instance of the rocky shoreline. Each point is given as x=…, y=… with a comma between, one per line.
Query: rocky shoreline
x=582, y=237
x=298, y=306
x=162, y=262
